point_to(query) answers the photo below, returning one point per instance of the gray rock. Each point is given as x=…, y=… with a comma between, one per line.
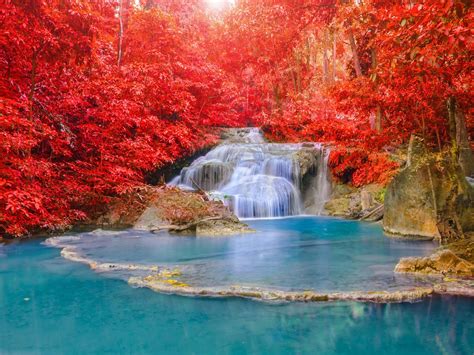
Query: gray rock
x=149, y=220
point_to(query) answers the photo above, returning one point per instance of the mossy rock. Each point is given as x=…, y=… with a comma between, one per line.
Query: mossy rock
x=430, y=197
x=338, y=206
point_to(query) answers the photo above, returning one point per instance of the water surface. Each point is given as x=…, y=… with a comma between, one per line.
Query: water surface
x=301, y=253
x=49, y=305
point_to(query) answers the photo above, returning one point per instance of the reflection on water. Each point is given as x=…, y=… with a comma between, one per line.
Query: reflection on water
x=322, y=254
x=49, y=305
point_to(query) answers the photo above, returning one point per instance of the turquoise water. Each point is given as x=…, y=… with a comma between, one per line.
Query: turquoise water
x=322, y=254
x=51, y=305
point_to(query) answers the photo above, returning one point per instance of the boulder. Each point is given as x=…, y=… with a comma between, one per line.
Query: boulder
x=443, y=262
x=221, y=227
x=149, y=219
x=188, y=213
x=430, y=197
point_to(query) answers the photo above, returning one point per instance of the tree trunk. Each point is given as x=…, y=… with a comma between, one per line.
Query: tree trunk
x=325, y=66
x=459, y=139
x=120, y=39
x=333, y=78
x=379, y=116
x=451, y=105
x=325, y=57
x=355, y=55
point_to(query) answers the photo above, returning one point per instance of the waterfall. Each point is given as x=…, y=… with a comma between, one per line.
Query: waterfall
x=254, y=178
x=323, y=182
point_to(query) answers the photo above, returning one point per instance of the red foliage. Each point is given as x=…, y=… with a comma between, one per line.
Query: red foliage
x=412, y=58
x=360, y=167
x=76, y=128
x=95, y=94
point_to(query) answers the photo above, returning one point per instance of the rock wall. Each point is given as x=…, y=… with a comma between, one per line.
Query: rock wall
x=315, y=185
x=356, y=203
x=308, y=164
x=430, y=197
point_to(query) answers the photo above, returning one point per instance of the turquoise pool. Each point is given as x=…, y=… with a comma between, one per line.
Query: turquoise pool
x=51, y=305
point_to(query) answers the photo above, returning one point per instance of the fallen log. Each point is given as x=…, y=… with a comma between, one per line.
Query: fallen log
x=372, y=212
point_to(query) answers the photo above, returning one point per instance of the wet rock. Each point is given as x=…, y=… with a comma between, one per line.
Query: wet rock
x=443, y=262
x=356, y=203
x=342, y=190
x=208, y=175
x=430, y=197
x=456, y=287
x=315, y=184
x=242, y=135
x=372, y=214
x=307, y=161
x=256, y=293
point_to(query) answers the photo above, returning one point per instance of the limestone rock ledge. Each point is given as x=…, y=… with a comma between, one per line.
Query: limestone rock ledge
x=454, y=259
x=443, y=262
x=164, y=285
x=455, y=287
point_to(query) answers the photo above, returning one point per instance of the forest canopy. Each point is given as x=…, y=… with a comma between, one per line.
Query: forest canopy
x=96, y=94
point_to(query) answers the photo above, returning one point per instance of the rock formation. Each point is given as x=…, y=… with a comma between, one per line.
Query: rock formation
x=455, y=259
x=315, y=184
x=356, y=203
x=430, y=197
x=443, y=262
x=174, y=210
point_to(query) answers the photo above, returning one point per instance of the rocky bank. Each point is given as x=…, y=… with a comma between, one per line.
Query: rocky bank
x=455, y=259
x=171, y=209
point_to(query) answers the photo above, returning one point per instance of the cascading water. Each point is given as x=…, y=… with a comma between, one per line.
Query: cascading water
x=323, y=183
x=254, y=178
